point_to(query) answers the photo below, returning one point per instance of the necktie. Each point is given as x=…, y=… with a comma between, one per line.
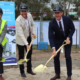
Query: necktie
x=60, y=26
x=61, y=29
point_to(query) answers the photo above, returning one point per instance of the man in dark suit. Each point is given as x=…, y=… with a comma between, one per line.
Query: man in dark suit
x=61, y=28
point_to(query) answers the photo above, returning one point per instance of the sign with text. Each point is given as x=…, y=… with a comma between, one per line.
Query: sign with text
x=9, y=53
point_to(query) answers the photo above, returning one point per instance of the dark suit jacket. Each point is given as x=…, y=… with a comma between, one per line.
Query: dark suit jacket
x=54, y=34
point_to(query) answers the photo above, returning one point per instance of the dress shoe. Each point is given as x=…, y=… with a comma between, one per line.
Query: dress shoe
x=1, y=78
x=69, y=78
x=23, y=75
x=31, y=72
x=57, y=76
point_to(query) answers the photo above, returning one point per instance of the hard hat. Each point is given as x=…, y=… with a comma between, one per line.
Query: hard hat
x=57, y=8
x=23, y=7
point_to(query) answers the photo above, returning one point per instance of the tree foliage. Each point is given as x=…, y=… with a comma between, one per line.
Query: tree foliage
x=77, y=3
x=64, y=4
x=34, y=6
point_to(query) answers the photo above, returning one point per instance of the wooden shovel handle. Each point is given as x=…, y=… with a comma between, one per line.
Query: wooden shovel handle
x=56, y=53
x=28, y=50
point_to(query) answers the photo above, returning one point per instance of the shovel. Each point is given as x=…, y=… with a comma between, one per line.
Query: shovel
x=2, y=59
x=42, y=67
x=22, y=61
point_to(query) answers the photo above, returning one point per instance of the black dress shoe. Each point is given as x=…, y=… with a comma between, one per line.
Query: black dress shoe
x=69, y=78
x=31, y=72
x=1, y=78
x=23, y=75
x=57, y=76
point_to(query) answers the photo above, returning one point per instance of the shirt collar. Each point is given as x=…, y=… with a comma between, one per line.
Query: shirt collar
x=59, y=20
x=24, y=18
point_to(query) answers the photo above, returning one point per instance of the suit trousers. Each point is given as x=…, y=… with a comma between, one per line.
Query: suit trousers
x=67, y=50
x=1, y=64
x=21, y=56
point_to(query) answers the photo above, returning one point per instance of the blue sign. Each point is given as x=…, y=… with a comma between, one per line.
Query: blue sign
x=9, y=53
x=8, y=13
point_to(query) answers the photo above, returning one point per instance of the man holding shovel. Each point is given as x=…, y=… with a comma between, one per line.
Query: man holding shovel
x=61, y=28
x=25, y=28
x=3, y=40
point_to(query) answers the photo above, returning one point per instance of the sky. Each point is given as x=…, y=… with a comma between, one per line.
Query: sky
x=53, y=1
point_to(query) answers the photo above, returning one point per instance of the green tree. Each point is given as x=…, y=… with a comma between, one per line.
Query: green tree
x=17, y=5
x=64, y=4
x=52, y=6
x=35, y=6
x=48, y=12
x=77, y=3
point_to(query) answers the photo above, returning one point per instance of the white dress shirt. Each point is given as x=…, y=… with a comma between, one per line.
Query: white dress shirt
x=26, y=20
x=27, y=23
x=59, y=25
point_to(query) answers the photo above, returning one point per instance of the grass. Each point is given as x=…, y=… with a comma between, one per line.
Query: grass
x=74, y=47
x=35, y=47
x=49, y=48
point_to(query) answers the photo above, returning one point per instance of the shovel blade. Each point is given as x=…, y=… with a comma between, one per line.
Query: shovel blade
x=22, y=61
x=2, y=59
x=40, y=68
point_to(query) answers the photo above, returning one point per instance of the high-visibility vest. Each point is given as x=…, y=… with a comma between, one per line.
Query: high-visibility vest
x=2, y=27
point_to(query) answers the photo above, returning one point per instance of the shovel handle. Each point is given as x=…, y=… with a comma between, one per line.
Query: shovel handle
x=28, y=50
x=56, y=53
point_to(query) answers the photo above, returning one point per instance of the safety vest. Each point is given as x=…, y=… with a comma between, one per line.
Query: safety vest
x=2, y=27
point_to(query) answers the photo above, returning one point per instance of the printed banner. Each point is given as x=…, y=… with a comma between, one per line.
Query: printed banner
x=9, y=53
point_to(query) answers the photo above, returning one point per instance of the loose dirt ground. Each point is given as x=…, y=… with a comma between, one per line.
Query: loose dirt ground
x=40, y=57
